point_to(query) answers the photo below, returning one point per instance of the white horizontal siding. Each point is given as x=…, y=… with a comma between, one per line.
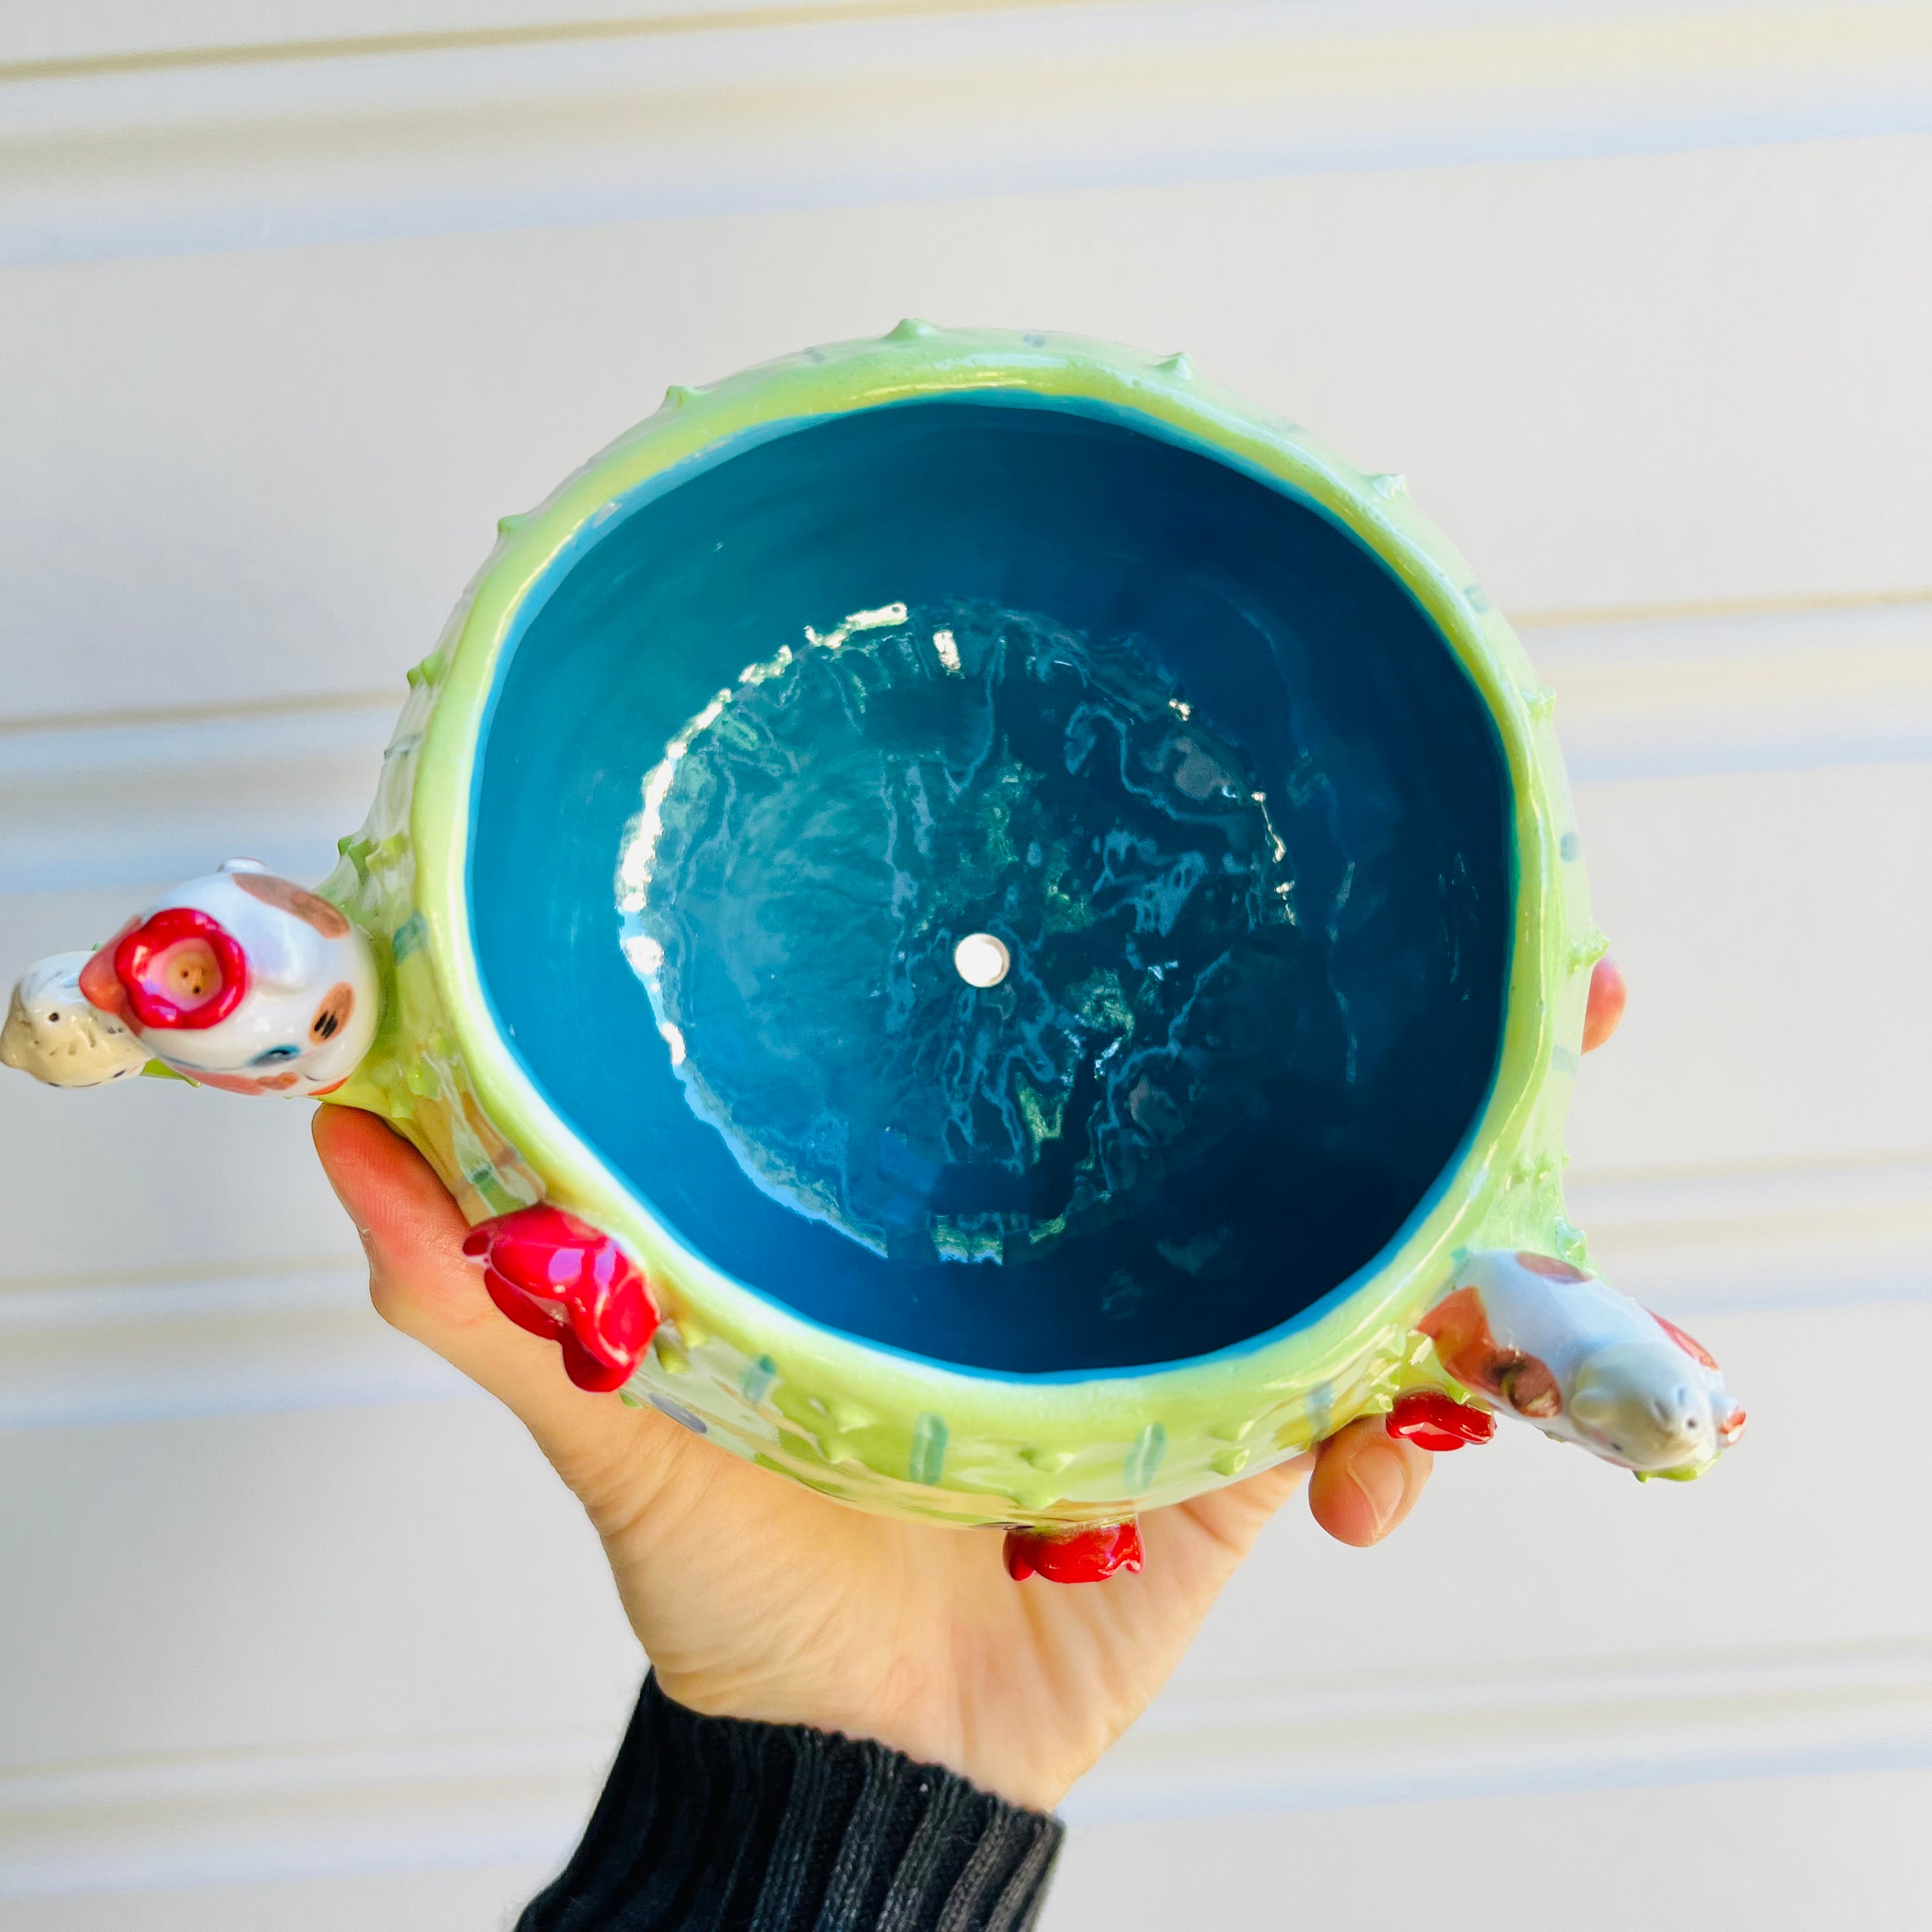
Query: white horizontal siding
x=379, y=1638
x=859, y=104
x=301, y=1631
x=1847, y=1850
x=1690, y=379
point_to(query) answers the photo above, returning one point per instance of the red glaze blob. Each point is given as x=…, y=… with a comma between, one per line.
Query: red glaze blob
x=1432, y=1420
x=561, y=1279
x=98, y=986
x=1073, y=1556
x=1605, y=1009
x=1549, y=1267
x=1690, y=1344
x=180, y=970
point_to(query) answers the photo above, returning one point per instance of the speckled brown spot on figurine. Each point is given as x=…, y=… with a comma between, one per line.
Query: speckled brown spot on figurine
x=988, y=924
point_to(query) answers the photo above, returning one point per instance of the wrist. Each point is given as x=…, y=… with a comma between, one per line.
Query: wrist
x=1012, y=1769
x=712, y=1820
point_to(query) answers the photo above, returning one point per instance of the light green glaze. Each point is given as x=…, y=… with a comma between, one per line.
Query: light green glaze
x=880, y=1429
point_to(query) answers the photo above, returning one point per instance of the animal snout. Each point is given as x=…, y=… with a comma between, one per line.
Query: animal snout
x=1638, y=1407
x=1678, y=1411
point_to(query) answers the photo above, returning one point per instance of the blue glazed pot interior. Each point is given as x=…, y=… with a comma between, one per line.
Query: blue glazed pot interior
x=1182, y=745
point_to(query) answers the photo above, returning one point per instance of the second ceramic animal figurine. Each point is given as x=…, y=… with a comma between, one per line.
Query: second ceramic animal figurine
x=1552, y=1345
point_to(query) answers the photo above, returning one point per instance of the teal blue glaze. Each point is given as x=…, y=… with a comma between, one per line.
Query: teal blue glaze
x=1321, y=1407
x=1283, y=635
x=408, y=936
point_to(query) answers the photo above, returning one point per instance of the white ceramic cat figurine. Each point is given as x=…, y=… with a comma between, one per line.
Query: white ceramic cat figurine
x=238, y=980
x=1558, y=1347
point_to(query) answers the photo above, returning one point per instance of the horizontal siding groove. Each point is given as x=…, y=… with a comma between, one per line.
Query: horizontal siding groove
x=1773, y=687
x=1571, y=1724
x=1530, y=625
x=1780, y=1235
x=296, y=705
x=1567, y=638
x=1288, y=1745
x=1771, y=1187
x=19, y=1293
x=382, y=1804
x=533, y=33
x=1529, y=621
x=91, y=804
x=141, y=1350
x=92, y=1349
x=791, y=109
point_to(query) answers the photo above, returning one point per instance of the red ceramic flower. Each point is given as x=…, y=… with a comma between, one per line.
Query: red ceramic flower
x=1073, y=1556
x=179, y=969
x=560, y=1278
x=1431, y=1420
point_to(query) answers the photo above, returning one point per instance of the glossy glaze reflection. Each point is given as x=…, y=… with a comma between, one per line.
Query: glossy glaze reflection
x=1177, y=742
x=796, y=891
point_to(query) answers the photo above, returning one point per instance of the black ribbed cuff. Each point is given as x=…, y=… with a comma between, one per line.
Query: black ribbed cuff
x=715, y=1825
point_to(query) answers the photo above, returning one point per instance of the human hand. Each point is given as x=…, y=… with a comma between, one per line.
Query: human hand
x=757, y=1598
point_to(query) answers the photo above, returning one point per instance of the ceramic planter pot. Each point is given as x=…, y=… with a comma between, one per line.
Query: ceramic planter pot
x=984, y=923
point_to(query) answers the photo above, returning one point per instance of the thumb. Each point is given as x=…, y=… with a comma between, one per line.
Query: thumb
x=1365, y=1482
x=421, y=1282
x=1361, y=1484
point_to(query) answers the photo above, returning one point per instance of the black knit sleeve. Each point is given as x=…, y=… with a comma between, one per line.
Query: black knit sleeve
x=712, y=1825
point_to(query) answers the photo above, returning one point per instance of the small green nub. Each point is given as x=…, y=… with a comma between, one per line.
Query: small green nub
x=1588, y=949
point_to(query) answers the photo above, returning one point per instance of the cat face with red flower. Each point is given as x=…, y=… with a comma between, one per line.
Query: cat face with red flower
x=239, y=980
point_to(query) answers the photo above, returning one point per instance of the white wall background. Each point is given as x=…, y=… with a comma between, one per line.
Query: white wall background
x=297, y=296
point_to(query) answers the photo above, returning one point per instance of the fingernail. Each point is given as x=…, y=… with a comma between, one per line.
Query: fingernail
x=1379, y=1475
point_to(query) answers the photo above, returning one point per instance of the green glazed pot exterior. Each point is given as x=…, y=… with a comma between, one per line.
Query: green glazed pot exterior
x=885, y=1430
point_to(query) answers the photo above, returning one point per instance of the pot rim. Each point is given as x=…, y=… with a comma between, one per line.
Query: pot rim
x=1501, y=1188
